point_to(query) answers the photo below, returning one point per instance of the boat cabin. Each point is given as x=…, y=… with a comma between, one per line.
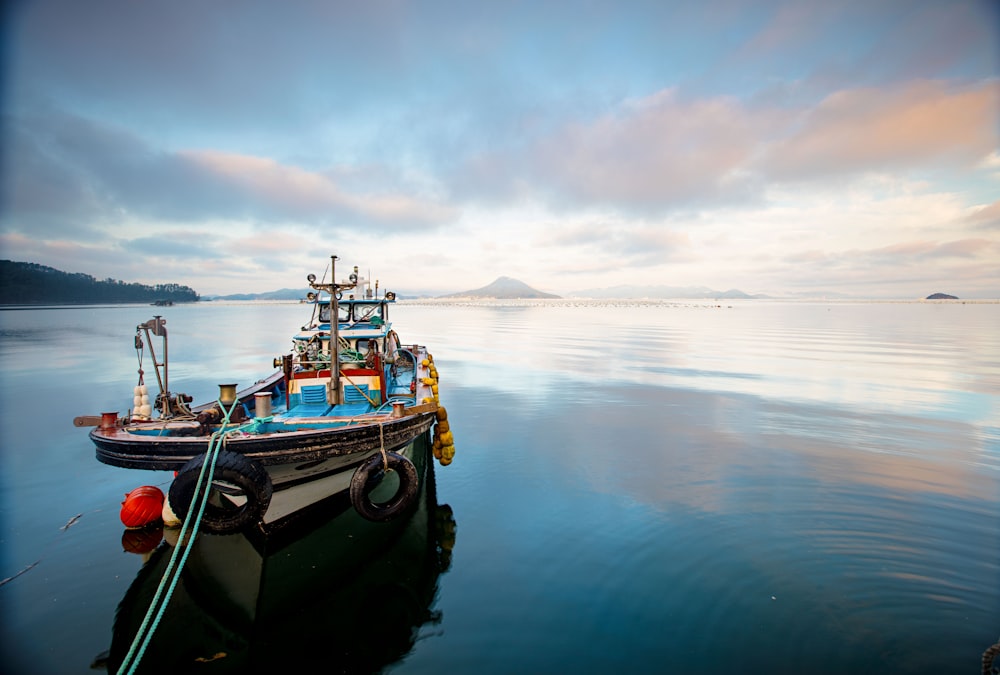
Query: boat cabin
x=367, y=350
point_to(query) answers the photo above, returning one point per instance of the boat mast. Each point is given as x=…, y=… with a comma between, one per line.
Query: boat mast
x=334, y=289
x=334, y=393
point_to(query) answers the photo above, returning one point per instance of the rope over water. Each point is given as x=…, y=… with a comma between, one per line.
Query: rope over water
x=170, y=576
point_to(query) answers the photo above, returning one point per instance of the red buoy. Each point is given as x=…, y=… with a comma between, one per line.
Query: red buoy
x=142, y=506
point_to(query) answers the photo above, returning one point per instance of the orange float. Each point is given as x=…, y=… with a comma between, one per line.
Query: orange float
x=142, y=506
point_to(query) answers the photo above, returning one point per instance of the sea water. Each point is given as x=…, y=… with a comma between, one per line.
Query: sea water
x=643, y=487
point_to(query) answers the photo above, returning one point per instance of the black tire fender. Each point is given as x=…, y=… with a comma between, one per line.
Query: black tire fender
x=370, y=474
x=233, y=469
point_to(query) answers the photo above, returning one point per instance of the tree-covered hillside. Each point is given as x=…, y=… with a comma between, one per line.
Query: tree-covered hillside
x=24, y=283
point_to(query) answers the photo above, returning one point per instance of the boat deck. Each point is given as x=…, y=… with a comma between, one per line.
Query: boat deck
x=325, y=409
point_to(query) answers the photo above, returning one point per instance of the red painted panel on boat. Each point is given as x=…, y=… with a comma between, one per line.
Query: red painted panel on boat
x=310, y=374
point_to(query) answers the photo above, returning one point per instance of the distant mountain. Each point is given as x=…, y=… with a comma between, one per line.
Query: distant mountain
x=23, y=283
x=504, y=288
x=282, y=294
x=685, y=292
x=941, y=296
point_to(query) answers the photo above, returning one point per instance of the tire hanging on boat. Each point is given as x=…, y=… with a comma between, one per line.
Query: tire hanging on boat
x=369, y=475
x=232, y=470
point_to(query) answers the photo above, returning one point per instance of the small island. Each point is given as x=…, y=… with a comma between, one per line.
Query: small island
x=941, y=296
x=23, y=283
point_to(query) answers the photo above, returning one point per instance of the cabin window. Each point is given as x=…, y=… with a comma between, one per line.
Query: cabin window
x=343, y=311
x=367, y=312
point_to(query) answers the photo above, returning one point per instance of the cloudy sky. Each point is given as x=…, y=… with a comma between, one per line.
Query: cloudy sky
x=775, y=147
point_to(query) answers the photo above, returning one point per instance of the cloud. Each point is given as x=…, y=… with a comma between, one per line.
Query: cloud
x=101, y=258
x=293, y=193
x=791, y=27
x=73, y=173
x=658, y=150
x=76, y=176
x=666, y=152
x=985, y=217
x=823, y=46
x=628, y=244
x=188, y=246
x=914, y=125
x=40, y=190
x=966, y=263
x=918, y=40
x=233, y=68
x=644, y=156
x=923, y=250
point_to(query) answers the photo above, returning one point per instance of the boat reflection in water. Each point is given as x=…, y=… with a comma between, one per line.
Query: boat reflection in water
x=332, y=591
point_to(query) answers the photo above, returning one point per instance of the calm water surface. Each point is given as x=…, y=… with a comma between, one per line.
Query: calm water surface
x=760, y=487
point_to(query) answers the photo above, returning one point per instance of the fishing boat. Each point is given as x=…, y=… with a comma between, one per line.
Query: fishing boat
x=339, y=415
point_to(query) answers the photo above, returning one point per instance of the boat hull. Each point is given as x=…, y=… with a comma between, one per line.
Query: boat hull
x=118, y=446
x=298, y=486
x=304, y=468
